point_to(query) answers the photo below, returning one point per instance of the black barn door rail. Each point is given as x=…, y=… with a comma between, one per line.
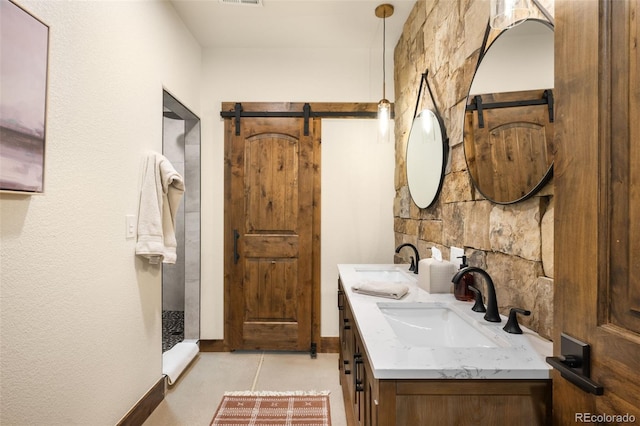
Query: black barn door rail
x=477, y=104
x=238, y=112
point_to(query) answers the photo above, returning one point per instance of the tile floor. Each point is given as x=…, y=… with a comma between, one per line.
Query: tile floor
x=172, y=329
x=194, y=398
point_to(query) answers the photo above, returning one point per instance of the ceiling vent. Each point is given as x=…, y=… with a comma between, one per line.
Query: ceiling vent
x=243, y=2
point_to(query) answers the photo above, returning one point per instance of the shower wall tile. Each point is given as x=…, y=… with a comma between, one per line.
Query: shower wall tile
x=173, y=296
x=192, y=178
x=173, y=139
x=192, y=133
x=181, y=282
x=192, y=314
x=192, y=246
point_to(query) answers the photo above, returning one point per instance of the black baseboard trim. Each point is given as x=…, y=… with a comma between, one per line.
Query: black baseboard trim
x=143, y=408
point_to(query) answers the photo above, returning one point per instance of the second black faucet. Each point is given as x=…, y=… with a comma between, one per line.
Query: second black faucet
x=414, y=264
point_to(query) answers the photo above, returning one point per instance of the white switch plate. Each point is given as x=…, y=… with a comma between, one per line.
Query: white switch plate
x=453, y=256
x=130, y=231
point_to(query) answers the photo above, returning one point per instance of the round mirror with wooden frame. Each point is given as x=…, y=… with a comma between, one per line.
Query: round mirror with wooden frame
x=508, y=128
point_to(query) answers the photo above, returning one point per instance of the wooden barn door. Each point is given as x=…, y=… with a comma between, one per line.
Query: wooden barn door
x=271, y=192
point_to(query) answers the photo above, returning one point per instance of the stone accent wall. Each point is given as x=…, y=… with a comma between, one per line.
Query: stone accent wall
x=513, y=243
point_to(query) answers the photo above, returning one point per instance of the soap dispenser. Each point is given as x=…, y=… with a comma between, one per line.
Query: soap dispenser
x=461, y=290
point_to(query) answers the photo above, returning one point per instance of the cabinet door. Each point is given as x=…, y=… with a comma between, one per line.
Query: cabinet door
x=359, y=381
x=344, y=327
x=370, y=395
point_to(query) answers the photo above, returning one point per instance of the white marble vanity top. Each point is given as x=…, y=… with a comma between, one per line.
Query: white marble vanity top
x=517, y=356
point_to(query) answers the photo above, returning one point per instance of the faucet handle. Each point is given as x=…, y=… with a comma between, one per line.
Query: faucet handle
x=512, y=325
x=479, y=305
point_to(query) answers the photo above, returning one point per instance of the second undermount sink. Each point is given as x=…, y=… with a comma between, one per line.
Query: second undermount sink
x=437, y=326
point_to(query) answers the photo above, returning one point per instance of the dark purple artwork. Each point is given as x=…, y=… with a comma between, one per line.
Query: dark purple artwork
x=24, y=42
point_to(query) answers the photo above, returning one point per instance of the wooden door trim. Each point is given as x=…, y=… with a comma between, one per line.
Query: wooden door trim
x=230, y=271
x=593, y=50
x=576, y=82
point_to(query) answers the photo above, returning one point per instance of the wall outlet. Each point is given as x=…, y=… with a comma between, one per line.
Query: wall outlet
x=131, y=228
x=455, y=252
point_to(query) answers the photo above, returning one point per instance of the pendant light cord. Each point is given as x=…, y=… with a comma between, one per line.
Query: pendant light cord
x=384, y=51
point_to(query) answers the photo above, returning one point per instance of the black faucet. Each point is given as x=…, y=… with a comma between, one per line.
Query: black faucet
x=414, y=264
x=492, y=314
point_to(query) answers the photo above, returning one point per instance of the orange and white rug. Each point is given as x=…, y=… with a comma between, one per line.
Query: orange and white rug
x=273, y=409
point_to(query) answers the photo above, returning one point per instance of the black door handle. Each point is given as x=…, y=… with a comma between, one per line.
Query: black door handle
x=574, y=364
x=569, y=373
x=236, y=236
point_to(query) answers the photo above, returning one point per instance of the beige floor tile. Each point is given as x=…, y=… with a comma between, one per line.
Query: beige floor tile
x=194, y=398
x=299, y=372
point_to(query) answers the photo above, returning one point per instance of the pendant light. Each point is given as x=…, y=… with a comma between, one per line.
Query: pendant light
x=384, y=106
x=508, y=13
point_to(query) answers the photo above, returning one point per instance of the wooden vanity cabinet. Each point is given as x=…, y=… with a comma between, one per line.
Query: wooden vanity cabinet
x=424, y=402
x=356, y=376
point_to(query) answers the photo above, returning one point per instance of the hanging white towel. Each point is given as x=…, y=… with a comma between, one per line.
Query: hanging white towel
x=160, y=196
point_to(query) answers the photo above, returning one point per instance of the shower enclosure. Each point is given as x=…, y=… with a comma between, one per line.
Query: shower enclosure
x=181, y=281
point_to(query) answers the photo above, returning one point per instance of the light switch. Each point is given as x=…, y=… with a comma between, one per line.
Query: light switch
x=130, y=226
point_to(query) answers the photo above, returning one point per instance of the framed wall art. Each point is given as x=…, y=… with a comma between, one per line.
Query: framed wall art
x=24, y=45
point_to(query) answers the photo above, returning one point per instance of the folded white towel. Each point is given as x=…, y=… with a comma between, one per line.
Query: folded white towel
x=382, y=289
x=160, y=196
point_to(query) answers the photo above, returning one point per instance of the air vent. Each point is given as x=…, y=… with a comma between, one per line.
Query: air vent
x=243, y=2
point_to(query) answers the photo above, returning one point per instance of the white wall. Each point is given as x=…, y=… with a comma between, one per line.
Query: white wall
x=357, y=204
x=80, y=315
x=520, y=59
x=357, y=174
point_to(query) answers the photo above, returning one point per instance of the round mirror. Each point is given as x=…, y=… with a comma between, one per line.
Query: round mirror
x=427, y=151
x=508, y=128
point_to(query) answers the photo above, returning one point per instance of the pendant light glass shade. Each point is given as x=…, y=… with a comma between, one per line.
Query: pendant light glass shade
x=384, y=116
x=508, y=13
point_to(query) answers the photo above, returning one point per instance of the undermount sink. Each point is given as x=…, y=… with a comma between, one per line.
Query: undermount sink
x=437, y=326
x=382, y=274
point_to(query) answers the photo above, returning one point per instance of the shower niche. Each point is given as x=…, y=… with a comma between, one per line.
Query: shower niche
x=181, y=281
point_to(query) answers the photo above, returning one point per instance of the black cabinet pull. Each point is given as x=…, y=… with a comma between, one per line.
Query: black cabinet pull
x=357, y=381
x=340, y=300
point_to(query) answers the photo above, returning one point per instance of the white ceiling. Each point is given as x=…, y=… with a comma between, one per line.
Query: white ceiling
x=293, y=23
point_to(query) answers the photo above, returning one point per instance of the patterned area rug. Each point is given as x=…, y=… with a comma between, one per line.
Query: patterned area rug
x=273, y=409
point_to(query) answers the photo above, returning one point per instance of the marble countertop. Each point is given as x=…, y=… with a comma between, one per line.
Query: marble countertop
x=519, y=356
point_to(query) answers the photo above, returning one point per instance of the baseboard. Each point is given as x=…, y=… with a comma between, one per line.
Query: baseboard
x=213, y=346
x=327, y=345
x=145, y=406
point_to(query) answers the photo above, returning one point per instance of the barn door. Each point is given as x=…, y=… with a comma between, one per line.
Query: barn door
x=271, y=180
